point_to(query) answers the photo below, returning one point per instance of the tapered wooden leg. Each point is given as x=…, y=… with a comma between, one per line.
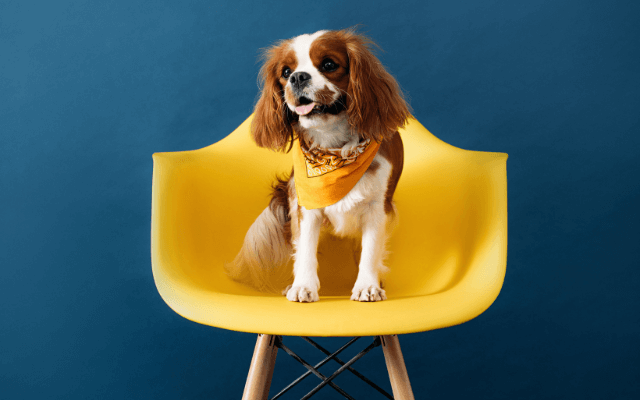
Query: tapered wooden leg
x=397, y=370
x=261, y=369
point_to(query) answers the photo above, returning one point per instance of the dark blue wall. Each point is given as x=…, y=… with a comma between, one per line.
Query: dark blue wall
x=89, y=90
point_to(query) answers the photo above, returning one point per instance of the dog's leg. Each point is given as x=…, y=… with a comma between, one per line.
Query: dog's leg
x=305, y=267
x=367, y=286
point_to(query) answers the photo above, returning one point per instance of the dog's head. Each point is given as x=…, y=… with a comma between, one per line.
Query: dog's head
x=312, y=80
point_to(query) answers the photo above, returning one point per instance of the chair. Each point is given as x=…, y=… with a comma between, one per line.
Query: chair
x=447, y=256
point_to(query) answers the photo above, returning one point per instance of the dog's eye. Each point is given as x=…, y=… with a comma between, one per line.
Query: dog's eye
x=286, y=72
x=328, y=65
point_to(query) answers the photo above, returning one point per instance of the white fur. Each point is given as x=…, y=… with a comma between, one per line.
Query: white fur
x=359, y=214
x=332, y=132
x=346, y=216
x=305, y=268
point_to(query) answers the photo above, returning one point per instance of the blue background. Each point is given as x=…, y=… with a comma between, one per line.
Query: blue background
x=89, y=90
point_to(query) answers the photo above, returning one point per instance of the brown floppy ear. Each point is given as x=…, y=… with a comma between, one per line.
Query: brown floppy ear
x=271, y=127
x=376, y=105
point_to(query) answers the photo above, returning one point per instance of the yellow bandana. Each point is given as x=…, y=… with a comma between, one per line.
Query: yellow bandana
x=324, y=177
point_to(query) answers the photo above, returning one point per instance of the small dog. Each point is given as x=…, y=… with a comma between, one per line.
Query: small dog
x=327, y=97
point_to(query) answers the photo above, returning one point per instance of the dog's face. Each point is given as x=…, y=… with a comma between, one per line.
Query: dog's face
x=312, y=80
x=315, y=77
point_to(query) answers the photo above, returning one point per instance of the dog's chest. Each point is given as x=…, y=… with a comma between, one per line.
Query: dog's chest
x=345, y=216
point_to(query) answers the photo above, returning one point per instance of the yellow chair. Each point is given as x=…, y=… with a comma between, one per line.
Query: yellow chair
x=447, y=255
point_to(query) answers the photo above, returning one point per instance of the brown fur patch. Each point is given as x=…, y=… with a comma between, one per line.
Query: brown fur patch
x=271, y=126
x=288, y=60
x=289, y=96
x=393, y=151
x=325, y=95
x=373, y=167
x=376, y=107
x=279, y=204
x=332, y=45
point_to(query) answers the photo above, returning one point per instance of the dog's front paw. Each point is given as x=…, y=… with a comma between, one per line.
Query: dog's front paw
x=301, y=294
x=368, y=293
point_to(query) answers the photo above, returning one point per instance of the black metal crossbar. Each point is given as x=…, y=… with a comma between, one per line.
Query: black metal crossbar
x=330, y=356
x=318, y=365
x=353, y=371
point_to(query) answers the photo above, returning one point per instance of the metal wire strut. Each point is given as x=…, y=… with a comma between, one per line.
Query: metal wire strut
x=330, y=356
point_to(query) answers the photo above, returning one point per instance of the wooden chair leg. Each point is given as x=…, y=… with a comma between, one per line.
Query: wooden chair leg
x=261, y=369
x=397, y=370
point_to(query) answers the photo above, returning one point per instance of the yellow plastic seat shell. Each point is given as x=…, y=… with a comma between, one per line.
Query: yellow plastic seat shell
x=447, y=256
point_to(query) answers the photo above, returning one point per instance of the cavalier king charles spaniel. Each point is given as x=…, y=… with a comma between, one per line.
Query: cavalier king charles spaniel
x=327, y=97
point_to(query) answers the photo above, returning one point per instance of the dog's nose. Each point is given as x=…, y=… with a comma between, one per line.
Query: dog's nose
x=299, y=80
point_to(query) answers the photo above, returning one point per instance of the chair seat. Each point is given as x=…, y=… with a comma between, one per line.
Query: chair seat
x=447, y=256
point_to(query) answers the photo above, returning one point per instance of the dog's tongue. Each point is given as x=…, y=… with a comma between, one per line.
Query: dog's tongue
x=306, y=109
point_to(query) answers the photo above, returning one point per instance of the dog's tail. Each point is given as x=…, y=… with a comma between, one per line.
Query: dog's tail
x=262, y=261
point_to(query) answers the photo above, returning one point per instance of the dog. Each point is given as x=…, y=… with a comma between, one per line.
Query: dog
x=329, y=99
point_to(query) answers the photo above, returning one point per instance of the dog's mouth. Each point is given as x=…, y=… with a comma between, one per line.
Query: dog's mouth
x=308, y=107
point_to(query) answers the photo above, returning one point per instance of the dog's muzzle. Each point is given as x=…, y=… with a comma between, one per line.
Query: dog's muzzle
x=299, y=81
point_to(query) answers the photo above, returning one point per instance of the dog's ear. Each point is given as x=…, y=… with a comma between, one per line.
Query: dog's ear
x=271, y=126
x=376, y=105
